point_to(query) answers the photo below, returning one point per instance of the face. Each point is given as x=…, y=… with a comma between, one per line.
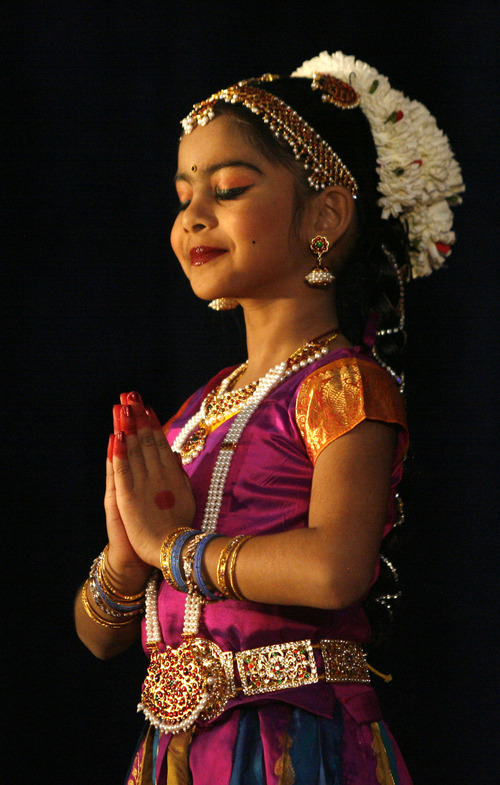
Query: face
x=233, y=235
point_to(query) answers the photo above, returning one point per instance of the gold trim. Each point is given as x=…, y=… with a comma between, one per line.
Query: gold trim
x=383, y=771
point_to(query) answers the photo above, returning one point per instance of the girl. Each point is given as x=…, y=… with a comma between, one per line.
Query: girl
x=256, y=516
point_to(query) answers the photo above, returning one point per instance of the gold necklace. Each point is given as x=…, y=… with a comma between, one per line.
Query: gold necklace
x=223, y=402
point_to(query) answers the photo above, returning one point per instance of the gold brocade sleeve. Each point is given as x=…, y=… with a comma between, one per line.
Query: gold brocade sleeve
x=335, y=398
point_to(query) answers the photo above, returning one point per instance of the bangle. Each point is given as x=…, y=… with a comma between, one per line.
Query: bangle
x=222, y=581
x=109, y=607
x=231, y=567
x=112, y=590
x=166, y=552
x=187, y=563
x=115, y=625
x=105, y=596
x=197, y=570
x=175, y=559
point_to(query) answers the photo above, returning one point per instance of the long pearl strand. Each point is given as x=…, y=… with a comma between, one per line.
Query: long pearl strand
x=194, y=601
x=153, y=630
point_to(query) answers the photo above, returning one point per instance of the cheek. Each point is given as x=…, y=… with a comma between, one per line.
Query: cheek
x=269, y=226
x=255, y=226
x=175, y=236
x=176, y=241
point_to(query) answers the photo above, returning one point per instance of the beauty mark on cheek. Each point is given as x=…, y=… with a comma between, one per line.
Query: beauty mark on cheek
x=165, y=500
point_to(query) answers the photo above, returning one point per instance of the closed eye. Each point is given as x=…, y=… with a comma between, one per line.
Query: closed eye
x=221, y=194
x=225, y=194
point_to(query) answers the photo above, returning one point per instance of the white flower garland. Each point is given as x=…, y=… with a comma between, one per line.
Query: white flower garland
x=419, y=177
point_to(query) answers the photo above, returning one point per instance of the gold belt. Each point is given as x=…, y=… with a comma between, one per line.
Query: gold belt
x=198, y=679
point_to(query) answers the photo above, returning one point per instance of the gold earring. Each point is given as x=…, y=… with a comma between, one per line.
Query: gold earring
x=223, y=304
x=320, y=276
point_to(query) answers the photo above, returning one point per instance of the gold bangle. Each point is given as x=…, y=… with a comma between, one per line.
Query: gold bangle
x=107, y=583
x=115, y=625
x=231, y=566
x=221, y=577
x=111, y=594
x=166, y=552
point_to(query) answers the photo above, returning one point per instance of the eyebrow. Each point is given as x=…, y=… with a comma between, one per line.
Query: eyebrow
x=217, y=167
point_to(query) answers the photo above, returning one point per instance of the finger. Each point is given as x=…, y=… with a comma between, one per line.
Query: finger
x=110, y=492
x=153, y=419
x=123, y=398
x=134, y=397
x=123, y=478
x=127, y=419
x=146, y=436
x=142, y=452
x=116, y=418
x=111, y=442
x=170, y=460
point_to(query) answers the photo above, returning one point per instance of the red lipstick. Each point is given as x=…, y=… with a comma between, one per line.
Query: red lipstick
x=202, y=254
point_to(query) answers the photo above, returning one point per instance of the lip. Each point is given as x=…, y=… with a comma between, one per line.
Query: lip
x=201, y=254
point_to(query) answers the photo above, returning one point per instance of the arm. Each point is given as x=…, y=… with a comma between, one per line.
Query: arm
x=329, y=564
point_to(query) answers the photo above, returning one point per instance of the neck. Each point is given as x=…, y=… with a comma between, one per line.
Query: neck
x=276, y=329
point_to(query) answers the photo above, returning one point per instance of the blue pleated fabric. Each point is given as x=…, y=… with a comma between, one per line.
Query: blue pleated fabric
x=311, y=750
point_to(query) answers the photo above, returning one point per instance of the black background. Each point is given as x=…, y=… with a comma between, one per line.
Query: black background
x=94, y=304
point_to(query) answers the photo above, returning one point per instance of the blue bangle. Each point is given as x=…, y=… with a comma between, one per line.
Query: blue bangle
x=198, y=556
x=115, y=605
x=175, y=559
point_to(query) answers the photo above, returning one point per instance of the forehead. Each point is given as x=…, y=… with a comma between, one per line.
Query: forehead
x=220, y=137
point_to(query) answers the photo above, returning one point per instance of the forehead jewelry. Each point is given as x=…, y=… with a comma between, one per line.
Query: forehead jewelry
x=323, y=165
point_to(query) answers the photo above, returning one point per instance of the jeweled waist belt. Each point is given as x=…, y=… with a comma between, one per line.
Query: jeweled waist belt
x=198, y=679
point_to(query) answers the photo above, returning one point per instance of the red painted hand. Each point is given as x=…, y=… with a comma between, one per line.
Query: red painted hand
x=151, y=490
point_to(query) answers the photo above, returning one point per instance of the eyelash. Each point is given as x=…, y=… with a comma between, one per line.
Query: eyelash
x=222, y=195
x=229, y=193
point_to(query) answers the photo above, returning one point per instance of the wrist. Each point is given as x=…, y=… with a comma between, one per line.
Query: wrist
x=211, y=559
x=127, y=578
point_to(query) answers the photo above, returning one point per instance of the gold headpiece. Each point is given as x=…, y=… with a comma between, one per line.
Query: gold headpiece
x=317, y=156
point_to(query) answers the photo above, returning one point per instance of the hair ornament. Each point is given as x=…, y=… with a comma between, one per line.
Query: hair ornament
x=419, y=178
x=335, y=91
x=324, y=167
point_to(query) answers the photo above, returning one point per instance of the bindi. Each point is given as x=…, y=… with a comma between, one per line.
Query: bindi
x=165, y=500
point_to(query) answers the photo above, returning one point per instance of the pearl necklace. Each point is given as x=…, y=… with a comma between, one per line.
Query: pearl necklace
x=307, y=354
x=223, y=402
x=219, y=405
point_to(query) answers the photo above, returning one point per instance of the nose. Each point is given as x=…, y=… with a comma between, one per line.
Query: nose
x=198, y=216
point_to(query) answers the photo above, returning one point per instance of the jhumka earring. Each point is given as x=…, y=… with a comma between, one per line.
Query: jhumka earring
x=320, y=276
x=223, y=304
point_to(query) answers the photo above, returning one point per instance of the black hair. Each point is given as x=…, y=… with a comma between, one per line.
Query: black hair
x=368, y=287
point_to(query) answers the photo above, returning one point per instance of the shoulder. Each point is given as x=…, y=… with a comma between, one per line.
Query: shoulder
x=340, y=394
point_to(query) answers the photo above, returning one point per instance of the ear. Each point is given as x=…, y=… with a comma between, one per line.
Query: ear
x=334, y=213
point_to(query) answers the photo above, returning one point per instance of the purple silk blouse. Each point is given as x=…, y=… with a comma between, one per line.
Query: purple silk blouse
x=267, y=491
